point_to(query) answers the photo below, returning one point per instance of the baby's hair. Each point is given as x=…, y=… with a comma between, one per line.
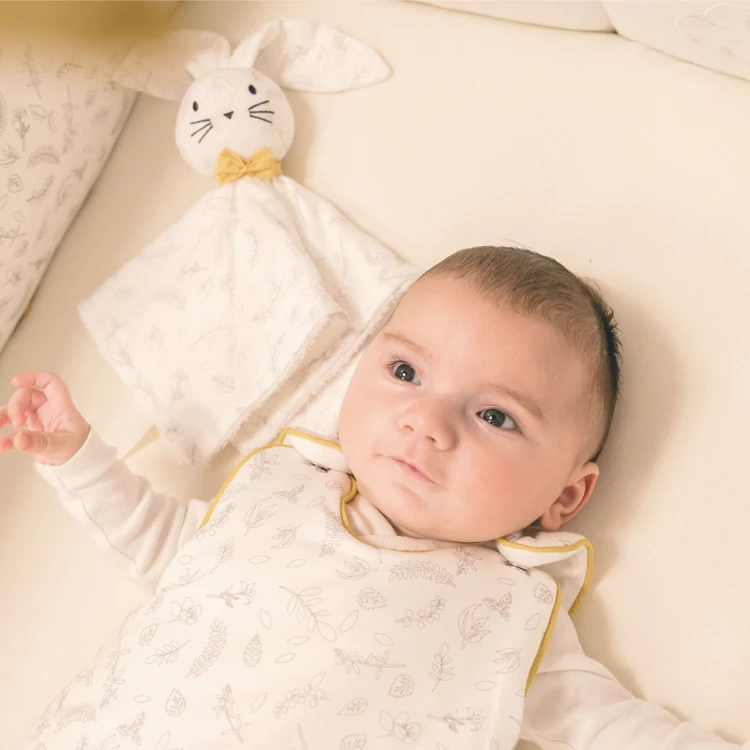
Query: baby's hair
x=536, y=285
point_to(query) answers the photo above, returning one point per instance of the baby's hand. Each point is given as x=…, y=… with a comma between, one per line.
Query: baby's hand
x=56, y=429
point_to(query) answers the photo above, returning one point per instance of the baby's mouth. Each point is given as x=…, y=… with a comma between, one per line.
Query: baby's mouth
x=411, y=470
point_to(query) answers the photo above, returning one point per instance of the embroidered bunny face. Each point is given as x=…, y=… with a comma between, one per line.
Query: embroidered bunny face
x=232, y=108
x=234, y=99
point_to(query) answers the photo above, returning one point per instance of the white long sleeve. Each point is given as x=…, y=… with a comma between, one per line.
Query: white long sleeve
x=576, y=703
x=142, y=530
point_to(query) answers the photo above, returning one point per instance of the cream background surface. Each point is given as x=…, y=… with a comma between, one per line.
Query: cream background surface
x=627, y=165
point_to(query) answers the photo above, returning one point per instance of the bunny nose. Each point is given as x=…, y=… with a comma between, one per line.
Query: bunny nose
x=229, y=114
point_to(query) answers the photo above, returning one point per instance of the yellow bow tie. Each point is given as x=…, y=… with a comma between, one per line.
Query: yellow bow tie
x=231, y=166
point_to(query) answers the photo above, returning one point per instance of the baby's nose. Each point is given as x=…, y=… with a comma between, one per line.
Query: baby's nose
x=228, y=115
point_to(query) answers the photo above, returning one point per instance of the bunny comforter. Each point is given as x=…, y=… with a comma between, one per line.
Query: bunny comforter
x=254, y=306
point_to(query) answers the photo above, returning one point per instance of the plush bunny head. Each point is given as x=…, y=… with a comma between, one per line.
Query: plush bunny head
x=234, y=99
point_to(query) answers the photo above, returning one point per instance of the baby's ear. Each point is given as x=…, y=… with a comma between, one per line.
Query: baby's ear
x=310, y=56
x=569, y=503
x=164, y=66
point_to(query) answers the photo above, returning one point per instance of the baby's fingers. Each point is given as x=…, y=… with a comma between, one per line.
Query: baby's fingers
x=23, y=403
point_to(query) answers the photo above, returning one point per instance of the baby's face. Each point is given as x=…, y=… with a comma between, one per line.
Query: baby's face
x=430, y=390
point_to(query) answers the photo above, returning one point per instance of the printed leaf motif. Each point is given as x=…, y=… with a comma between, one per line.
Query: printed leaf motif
x=509, y=661
x=353, y=742
x=353, y=661
x=369, y=598
x=253, y=652
x=421, y=569
x=357, y=569
x=334, y=533
x=257, y=515
x=298, y=640
x=384, y=639
x=402, y=686
x=175, y=703
x=154, y=605
x=533, y=622
x=485, y=685
x=83, y=713
x=454, y=721
x=303, y=603
x=147, y=634
x=355, y=707
x=507, y=581
x=298, y=563
x=424, y=616
x=265, y=618
x=500, y=606
x=543, y=594
x=259, y=559
x=285, y=658
x=216, y=642
x=258, y=702
x=470, y=628
x=441, y=669
x=166, y=654
x=349, y=621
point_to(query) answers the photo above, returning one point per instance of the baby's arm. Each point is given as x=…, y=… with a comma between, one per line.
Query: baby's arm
x=141, y=529
x=575, y=702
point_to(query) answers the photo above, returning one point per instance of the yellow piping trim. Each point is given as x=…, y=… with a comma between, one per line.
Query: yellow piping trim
x=545, y=641
x=577, y=545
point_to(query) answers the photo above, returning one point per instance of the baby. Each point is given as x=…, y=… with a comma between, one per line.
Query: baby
x=409, y=586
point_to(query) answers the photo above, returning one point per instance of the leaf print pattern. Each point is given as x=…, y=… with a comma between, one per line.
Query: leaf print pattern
x=302, y=603
x=175, y=704
x=147, y=634
x=216, y=522
x=224, y=711
x=441, y=669
x=216, y=642
x=334, y=533
x=467, y=559
x=400, y=727
x=543, y=594
x=167, y=654
x=357, y=569
x=500, y=606
x=509, y=660
x=402, y=686
x=355, y=707
x=310, y=694
x=353, y=742
x=286, y=536
x=132, y=730
x=424, y=616
x=421, y=569
x=471, y=628
x=83, y=713
x=253, y=652
x=454, y=721
x=290, y=495
x=246, y=592
x=369, y=598
x=257, y=515
x=353, y=661
x=262, y=463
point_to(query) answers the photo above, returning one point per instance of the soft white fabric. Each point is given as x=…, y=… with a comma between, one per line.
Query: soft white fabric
x=573, y=702
x=60, y=116
x=713, y=34
x=241, y=312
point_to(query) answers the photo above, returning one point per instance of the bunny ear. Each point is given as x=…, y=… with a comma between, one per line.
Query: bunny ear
x=164, y=66
x=310, y=56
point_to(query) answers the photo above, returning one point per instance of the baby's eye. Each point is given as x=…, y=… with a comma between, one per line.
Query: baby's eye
x=195, y=106
x=404, y=371
x=252, y=89
x=497, y=418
